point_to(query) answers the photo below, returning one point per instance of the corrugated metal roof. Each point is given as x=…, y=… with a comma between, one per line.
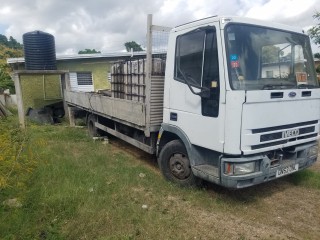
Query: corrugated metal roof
x=61, y=57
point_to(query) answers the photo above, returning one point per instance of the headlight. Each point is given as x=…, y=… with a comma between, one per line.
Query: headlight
x=244, y=168
x=313, y=151
x=239, y=168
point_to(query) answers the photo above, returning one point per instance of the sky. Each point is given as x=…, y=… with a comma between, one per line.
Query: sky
x=105, y=25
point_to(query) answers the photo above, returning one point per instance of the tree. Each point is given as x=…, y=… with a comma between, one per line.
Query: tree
x=10, y=43
x=314, y=32
x=135, y=46
x=270, y=54
x=88, y=51
x=3, y=40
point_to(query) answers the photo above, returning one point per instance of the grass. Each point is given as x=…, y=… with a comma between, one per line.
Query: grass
x=82, y=189
x=306, y=178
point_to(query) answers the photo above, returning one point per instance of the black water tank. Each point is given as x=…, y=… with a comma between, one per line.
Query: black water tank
x=39, y=51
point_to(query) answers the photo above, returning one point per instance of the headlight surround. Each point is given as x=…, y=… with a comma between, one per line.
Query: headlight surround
x=239, y=168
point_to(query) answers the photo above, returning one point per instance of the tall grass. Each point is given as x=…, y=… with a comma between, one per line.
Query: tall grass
x=17, y=159
x=80, y=189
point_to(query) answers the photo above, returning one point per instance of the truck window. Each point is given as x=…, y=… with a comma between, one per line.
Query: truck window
x=197, y=57
x=261, y=58
x=210, y=107
x=189, y=56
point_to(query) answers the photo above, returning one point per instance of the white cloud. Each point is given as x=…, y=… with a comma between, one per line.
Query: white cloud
x=275, y=9
x=5, y=10
x=106, y=25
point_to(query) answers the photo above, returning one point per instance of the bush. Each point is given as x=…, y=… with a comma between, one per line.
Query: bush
x=16, y=157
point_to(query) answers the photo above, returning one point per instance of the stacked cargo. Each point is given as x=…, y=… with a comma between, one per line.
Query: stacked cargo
x=128, y=79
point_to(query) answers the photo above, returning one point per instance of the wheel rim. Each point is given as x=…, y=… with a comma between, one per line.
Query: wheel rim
x=179, y=166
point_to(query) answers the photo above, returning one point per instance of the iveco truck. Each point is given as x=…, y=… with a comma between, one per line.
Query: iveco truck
x=237, y=104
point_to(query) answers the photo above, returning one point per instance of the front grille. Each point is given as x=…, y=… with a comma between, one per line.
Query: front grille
x=254, y=147
x=282, y=127
x=278, y=135
x=308, y=136
x=268, y=139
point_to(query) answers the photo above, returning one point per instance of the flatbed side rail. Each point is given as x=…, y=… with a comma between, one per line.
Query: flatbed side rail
x=127, y=111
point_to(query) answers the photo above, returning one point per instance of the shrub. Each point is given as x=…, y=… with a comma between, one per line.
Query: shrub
x=16, y=156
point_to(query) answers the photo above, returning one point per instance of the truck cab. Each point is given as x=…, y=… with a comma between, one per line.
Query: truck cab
x=241, y=103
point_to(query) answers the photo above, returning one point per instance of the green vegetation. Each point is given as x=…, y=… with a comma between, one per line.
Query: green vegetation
x=81, y=189
x=307, y=178
x=271, y=54
x=134, y=46
x=16, y=158
x=9, y=48
x=10, y=43
x=88, y=51
x=314, y=32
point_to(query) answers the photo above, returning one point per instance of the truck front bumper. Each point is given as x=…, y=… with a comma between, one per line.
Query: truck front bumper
x=267, y=169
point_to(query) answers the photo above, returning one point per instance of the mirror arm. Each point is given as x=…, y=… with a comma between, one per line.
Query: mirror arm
x=205, y=92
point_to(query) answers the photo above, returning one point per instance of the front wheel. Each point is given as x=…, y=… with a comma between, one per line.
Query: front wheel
x=175, y=165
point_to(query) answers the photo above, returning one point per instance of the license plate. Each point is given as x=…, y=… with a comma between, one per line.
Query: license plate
x=287, y=170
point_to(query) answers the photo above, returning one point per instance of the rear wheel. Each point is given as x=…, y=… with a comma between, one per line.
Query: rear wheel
x=175, y=165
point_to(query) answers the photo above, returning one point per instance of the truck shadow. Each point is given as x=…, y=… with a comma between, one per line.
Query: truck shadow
x=245, y=195
x=150, y=160
x=250, y=194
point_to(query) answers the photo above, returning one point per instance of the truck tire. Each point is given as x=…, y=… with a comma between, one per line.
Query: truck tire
x=92, y=129
x=175, y=165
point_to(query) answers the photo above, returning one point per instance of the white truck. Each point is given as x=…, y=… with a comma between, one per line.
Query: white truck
x=238, y=105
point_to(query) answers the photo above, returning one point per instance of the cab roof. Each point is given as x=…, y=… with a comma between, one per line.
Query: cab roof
x=224, y=20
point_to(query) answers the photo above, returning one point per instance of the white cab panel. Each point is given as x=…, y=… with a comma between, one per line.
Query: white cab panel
x=235, y=100
x=265, y=119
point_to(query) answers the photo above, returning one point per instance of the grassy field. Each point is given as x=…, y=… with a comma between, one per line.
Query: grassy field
x=81, y=189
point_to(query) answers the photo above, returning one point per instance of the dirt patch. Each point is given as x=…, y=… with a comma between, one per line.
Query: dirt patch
x=274, y=210
x=316, y=165
x=279, y=211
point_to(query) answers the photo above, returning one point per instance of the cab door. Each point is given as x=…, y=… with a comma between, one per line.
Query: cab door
x=197, y=86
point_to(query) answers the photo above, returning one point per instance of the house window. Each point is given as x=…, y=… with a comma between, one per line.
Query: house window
x=269, y=74
x=81, y=81
x=84, y=78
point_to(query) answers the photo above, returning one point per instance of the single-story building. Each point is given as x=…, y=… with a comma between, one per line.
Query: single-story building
x=317, y=64
x=88, y=72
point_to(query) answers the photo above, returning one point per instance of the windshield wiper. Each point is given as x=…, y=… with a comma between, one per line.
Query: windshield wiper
x=277, y=86
x=304, y=86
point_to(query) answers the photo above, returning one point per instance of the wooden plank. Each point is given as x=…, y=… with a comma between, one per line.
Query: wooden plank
x=40, y=72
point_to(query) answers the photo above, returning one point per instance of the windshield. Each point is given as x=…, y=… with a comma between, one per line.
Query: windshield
x=262, y=58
